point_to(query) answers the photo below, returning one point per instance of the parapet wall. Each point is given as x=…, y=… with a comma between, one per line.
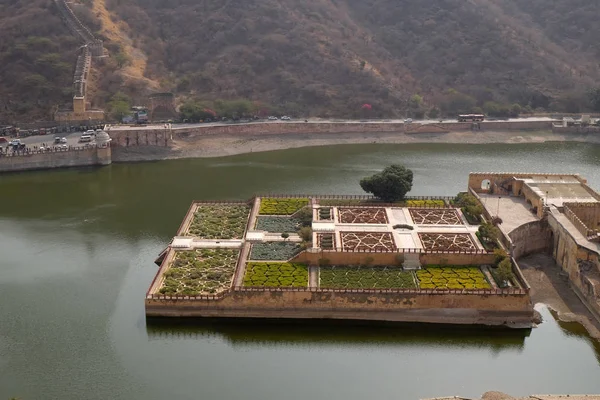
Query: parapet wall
x=442, y=307
x=78, y=157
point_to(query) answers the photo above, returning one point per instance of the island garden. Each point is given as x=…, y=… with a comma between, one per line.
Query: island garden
x=384, y=257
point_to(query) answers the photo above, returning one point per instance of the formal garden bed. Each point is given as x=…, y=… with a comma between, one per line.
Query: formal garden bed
x=432, y=216
x=277, y=224
x=437, y=277
x=275, y=206
x=274, y=250
x=371, y=241
x=326, y=241
x=447, y=241
x=362, y=215
x=200, y=272
x=365, y=277
x=278, y=274
x=219, y=221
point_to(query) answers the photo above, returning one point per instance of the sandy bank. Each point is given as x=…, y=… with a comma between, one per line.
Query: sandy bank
x=226, y=145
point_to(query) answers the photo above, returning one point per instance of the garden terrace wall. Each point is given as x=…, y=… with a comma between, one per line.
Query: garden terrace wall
x=488, y=307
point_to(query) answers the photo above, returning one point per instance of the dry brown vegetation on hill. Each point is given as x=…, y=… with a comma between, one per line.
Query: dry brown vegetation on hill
x=318, y=57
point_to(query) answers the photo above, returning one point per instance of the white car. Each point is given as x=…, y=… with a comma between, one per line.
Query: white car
x=408, y=120
x=286, y=118
x=15, y=142
x=272, y=118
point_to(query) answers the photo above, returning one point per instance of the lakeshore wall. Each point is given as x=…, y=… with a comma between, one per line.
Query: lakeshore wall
x=164, y=137
x=485, y=309
x=60, y=159
x=579, y=262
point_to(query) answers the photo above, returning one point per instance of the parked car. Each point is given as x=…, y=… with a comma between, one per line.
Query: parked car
x=272, y=118
x=286, y=118
x=85, y=138
x=56, y=139
x=63, y=140
x=408, y=120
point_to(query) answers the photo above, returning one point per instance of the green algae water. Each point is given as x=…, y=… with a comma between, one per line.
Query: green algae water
x=76, y=257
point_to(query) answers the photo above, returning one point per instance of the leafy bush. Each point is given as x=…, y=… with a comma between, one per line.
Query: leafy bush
x=219, y=221
x=403, y=226
x=276, y=274
x=304, y=216
x=273, y=206
x=364, y=277
x=470, y=206
x=389, y=185
x=503, y=272
x=274, y=250
x=425, y=203
x=436, y=277
x=305, y=233
x=204, y=271
x=277, y=224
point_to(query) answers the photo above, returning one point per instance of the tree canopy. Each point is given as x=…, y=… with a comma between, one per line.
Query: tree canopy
x=389, y=185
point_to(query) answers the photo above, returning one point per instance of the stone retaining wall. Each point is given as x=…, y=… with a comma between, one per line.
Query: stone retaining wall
x=60, y=159
x=162, y=137
x=405, y=307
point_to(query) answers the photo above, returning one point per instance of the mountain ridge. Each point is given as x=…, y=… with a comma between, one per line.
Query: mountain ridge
x=317, y=57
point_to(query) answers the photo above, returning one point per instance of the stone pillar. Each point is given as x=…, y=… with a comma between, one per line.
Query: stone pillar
x=104, y=155
x=78, y=105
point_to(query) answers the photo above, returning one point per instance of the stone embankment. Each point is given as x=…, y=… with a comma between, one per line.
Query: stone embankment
x=55, y=158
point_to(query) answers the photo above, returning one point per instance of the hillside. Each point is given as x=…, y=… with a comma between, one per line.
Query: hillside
x=317, y=57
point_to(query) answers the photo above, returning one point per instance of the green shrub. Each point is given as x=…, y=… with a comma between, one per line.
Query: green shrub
x=276, y=274
x=425, y=203
x=364, y=277
x=305, y=233
x=274, y=206
x=438, y=277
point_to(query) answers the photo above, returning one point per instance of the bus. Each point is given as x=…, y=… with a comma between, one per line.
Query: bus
x=471, y=117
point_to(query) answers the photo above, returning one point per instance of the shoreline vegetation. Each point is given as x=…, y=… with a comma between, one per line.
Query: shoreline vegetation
x=207, y=146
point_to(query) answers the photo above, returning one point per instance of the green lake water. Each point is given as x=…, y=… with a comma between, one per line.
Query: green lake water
x=76, y=257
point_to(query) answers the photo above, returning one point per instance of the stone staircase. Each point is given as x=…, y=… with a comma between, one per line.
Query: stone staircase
x=411, y=261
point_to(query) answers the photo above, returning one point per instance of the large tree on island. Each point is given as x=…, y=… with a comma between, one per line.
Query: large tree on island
x=389, y=185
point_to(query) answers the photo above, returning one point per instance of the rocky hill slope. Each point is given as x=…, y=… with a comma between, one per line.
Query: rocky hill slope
x=318, y=57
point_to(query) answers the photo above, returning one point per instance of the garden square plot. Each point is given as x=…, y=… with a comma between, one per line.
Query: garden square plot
x=219, y=221
x=447, y=241
x=373, y=241
x=432, y=216
x=362, y=215
x=363, y=277
x=200, y=272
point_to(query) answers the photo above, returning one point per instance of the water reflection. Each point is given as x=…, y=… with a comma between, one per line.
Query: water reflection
x=303, y=332
x=576, y=330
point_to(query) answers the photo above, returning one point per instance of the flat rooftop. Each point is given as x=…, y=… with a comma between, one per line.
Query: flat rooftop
x=559, y=191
